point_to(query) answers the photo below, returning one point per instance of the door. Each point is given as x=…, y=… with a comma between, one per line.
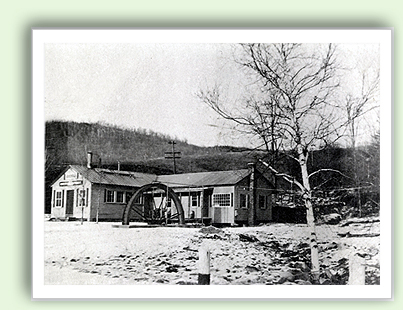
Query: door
x=69, y=202
x=206, y=204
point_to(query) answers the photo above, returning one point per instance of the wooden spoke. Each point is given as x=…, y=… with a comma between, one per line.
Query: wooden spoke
x=152, y=210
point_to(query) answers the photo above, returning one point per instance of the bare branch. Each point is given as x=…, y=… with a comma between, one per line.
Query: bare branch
x=286, y=177
x=327, y=170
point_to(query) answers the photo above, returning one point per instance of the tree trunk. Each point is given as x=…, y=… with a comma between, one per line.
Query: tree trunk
x=303, y=157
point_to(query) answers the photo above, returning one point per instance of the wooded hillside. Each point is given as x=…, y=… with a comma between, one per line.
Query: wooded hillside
x=143, y=151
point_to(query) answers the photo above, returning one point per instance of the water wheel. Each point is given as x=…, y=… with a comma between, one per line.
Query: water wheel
x=143, y=206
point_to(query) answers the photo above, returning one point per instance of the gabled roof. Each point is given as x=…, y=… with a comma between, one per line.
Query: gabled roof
x=213, y=178
x=115, y=177
x=137, y=179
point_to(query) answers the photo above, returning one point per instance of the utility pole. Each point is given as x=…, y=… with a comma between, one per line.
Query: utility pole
x=173, y=155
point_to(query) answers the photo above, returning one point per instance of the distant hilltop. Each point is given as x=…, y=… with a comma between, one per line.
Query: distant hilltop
x=135, y=149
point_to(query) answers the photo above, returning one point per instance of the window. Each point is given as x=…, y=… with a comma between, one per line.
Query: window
x=81, y=197
x=86, y=198
x=139, y=199
x=262, y=202
x=120, y=197
x=244, y=201
x=58, y=201
x=109, y=196
x=129, y=195
x=195, y=200
x=222, y=200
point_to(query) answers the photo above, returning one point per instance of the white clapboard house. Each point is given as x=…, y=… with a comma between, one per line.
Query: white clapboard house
x=220, y=197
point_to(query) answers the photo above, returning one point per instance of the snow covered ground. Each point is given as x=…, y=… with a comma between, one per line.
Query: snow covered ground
x=272, y=254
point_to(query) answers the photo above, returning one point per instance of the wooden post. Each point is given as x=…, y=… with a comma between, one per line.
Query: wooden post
x=82, y=200
x=166, y=209
x=204, y=265
x=201, y=204
x=356, y=270
x=252, y=197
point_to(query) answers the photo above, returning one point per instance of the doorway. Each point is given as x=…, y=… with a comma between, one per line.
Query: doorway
x=69, y=202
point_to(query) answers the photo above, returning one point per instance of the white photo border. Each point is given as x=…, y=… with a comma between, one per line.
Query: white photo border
x=382, y=36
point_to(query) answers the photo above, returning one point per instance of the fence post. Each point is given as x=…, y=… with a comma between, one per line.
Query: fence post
x=204, y=265
x=356, y=270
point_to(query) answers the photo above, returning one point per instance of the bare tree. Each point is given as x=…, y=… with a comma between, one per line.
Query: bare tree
x=356, y=107
x=293, y=109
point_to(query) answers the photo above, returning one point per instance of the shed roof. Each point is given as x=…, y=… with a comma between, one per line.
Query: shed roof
x=213, y=178
x=115, y=177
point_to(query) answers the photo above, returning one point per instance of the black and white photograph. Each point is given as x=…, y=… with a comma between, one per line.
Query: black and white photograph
x=208, y=163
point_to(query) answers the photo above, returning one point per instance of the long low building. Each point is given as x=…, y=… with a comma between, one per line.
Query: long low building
x=242, y=196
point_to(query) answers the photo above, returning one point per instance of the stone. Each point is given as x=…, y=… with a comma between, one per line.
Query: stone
x=330, y=246
x=171, y=269
x=161, y=281
x=304, y=276
x=332, y=219
x=251, y=269
x=302, y=282
x=210, y=230
x=285, y=276
x=247, y=238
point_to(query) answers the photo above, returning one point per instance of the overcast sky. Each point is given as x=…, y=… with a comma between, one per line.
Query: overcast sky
x=153, y=86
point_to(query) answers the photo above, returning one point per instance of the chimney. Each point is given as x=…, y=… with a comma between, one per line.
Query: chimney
x=252, y=196
x=89, y=160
